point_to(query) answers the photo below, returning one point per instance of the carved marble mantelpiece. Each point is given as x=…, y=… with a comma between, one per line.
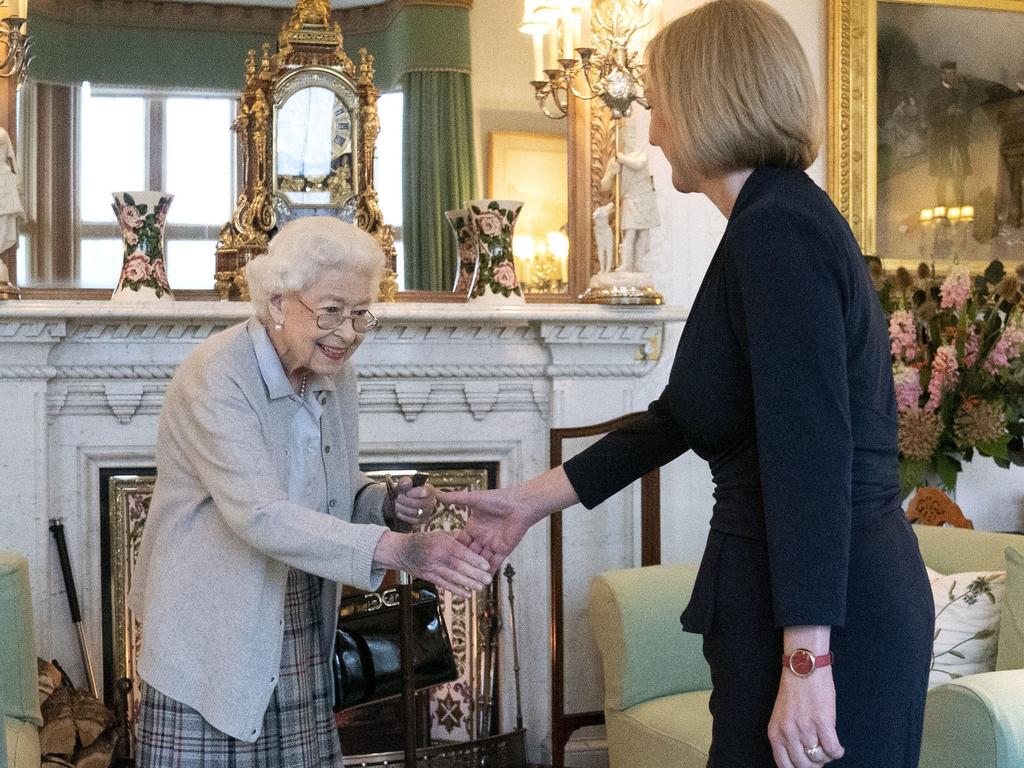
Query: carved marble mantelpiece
x=81, y=385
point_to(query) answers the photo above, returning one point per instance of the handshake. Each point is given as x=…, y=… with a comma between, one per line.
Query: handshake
x=463, y=561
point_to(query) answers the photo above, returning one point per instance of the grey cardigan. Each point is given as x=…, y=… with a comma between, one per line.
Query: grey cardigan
x=209, y=581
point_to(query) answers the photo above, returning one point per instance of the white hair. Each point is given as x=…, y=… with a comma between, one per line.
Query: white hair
x=300, y=252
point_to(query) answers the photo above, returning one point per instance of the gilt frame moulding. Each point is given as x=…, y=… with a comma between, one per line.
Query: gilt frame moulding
x=853, y=107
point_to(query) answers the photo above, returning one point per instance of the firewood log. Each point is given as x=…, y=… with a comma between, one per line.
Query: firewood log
x=91, y=717
x=96, y=755
x=57, y=736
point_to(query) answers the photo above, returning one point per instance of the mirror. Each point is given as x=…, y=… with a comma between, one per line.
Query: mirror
x=313, y=150
x=502, y=101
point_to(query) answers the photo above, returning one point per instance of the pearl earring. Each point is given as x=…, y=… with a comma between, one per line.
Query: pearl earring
x=278, y=326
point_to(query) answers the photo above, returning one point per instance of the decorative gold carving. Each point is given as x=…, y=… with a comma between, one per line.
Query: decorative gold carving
x=310, y=53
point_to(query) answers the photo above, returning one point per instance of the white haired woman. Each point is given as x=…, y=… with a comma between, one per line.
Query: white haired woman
x=260, y=513
x=812, y=596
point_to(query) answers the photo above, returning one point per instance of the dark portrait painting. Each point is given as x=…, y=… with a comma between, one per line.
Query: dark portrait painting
x=950, y=114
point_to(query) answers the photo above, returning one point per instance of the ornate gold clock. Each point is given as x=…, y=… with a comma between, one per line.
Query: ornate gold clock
x=307, y=127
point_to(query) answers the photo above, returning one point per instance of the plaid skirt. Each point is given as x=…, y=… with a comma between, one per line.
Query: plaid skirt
x=298, y=727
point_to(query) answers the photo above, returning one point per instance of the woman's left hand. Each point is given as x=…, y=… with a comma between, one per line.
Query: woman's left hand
x=802, y=730
x=415, y=505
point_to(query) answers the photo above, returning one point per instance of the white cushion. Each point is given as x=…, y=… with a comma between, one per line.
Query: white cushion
x=967, y=607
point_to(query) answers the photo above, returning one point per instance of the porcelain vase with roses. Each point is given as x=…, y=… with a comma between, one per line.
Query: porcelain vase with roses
x=141, y=217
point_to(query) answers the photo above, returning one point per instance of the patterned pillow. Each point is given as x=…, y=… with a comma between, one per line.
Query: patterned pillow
x=967, y=607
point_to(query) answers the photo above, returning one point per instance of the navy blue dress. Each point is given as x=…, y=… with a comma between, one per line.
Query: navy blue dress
x=782, y=382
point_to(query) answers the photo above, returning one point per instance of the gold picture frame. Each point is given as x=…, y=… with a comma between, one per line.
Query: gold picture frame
x=530, y=167
x=853, y=119
x=128, y=499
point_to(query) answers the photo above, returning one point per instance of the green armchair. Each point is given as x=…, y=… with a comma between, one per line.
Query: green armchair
x=656, y=682
x=19, y=683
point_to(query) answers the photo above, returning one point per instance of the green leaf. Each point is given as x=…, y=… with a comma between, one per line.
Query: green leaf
x=947, y=468
x=997, y=449
x=128, y=199
x=911, y=475
x=983, y=634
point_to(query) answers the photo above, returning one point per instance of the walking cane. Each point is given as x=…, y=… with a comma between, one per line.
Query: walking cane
x=57, y=529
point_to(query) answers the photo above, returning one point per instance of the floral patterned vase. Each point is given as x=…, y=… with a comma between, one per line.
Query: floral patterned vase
x=496, y=281
x=469, y=250
x=141, y=216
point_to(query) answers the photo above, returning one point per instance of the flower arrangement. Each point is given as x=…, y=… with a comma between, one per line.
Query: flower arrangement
x=957, y=367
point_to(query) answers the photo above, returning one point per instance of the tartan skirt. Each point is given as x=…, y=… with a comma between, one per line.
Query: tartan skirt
x=298, y=727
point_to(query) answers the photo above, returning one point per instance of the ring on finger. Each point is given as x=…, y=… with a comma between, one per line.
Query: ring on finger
x=813, y=752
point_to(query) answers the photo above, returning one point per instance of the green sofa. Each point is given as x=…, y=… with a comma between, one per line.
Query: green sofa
x=19, y=683
x=656, y=682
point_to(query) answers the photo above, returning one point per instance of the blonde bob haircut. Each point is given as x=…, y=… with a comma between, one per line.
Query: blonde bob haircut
x=303, y=250
x=735, y=88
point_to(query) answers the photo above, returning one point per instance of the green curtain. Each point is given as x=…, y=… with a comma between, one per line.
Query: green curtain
x=439, y=172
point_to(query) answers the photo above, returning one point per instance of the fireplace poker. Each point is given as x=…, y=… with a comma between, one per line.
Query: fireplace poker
x=57, y=529
x=509, y=573
x=405, y=598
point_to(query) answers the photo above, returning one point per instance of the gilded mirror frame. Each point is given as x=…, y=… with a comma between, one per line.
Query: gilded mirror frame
x=853, y=106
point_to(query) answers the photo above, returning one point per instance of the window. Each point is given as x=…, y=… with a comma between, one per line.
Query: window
x=387, y=169
x=180, y=144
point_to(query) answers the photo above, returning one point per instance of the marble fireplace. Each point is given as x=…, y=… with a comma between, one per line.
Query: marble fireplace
x=81, y=385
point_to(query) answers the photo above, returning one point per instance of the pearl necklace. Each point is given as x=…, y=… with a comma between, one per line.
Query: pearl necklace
x=302, y=387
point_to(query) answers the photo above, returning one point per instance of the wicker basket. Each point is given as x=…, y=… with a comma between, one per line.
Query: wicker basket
x=506, y=750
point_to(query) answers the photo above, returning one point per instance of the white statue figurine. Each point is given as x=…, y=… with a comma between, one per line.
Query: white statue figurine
x=638, y=200
x=604, y=237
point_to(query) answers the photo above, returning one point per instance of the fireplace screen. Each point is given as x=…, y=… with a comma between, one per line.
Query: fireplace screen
x=459, y=711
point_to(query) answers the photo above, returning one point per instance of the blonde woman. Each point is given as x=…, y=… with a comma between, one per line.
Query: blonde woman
x=260, y=513
x=811, y=597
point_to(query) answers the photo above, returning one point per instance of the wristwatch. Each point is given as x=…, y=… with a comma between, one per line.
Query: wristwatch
x=802, y=662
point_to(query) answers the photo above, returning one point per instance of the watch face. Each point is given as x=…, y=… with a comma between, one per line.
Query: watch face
x=801, y=662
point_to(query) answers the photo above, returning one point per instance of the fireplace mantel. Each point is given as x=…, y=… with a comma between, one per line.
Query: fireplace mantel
x=81, y=385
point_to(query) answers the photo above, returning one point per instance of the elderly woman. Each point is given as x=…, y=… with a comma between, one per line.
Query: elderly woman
x=260, y=512
x=812, y=597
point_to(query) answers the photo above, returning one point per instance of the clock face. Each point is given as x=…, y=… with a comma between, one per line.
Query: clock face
x=342, y=135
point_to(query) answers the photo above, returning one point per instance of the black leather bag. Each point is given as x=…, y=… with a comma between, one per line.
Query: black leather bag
x=367, y=646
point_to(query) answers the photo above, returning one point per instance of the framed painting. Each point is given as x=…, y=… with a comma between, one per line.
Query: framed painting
x=926, y=129
x=531, y=167
x=124, y=508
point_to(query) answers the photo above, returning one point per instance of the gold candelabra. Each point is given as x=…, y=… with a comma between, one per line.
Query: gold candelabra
x=611, y=69
x=15, y=43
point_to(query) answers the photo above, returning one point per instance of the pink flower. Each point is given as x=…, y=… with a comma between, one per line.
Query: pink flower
x=505, y=275
x=159, y=273
x=944, y=375
x=903, y=335
x=130, y=217
x=908, y=388
x=955, y=288
x=489, y=223
x=129, y=235
x=1007, y=348
x=136, y=268
x=467, y=249
x=971, y=344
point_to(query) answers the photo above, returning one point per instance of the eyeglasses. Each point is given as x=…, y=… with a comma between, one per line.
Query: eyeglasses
x=362, y=321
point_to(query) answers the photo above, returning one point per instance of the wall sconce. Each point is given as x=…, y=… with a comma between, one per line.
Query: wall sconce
x=611, y=69
x=14, y=40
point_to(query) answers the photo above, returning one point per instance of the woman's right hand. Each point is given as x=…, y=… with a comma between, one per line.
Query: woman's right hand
x=436, y=556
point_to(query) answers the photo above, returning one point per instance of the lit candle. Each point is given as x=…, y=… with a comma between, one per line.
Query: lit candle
x=953, y=214
x=967, y=213
x=939, y=212
x=23, y=8
x=926, y=215
x=558, y=244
